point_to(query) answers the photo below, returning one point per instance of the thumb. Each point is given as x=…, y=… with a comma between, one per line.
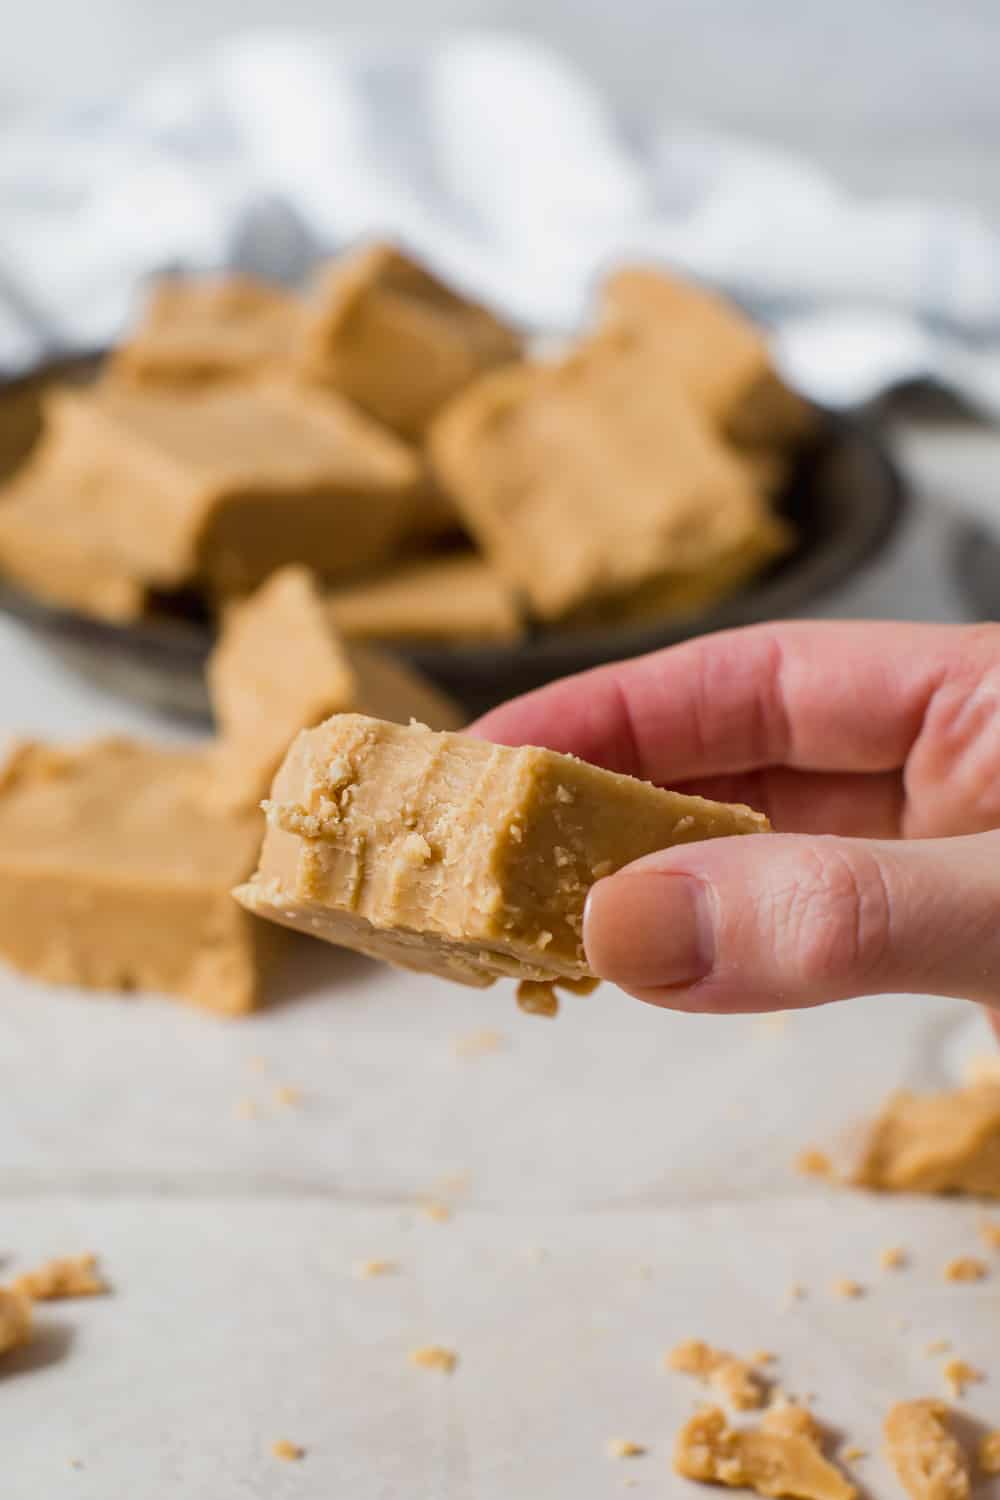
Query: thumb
x=786, y=921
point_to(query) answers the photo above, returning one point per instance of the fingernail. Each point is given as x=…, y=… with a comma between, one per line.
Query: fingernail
x=649, y=931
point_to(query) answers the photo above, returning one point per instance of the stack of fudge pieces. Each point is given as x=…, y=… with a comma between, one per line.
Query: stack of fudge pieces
x=397, y=438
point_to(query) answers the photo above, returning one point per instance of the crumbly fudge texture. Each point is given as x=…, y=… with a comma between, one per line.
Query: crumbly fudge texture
x=114, y=874
x=771, y=1462
x=735, y=1378
x=716, y=353
x=195, y=330
x=70, y=1276
x=581, y=482
x=280, y=666
x=447, y=855
x=458, y=598
x=228, y=483
x=15, y=1320
x=936, y=1143
x=989, y=1453
x=46, y=547
x=928, y=1459
x=397, y=341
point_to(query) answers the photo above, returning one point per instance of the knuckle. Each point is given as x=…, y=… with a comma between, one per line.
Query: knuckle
x=834, y=918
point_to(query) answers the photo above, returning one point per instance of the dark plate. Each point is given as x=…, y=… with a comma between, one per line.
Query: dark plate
x=845, y=499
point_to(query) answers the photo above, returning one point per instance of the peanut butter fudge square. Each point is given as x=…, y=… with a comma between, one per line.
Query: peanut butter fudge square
x=280, y=666
x=46, y=545
x=718, y=355
x=453, y=598
x=195, y=330
x=450, y=856
x=581, y=482
x=230, y=482
x=115, y=875
x=397, y=341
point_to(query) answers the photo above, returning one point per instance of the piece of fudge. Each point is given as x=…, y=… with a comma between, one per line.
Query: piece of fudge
x=447, y=855
x=581, y=482
x=935, y=1143
x=280, y=666
x=115, y=874
x=397, y=341
x=46, y=546
x=199, y=329
x=712, y=349
x=227, y=483
x=453, y=598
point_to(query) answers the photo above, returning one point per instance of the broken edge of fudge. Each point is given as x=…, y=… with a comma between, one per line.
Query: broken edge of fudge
x=447, y=855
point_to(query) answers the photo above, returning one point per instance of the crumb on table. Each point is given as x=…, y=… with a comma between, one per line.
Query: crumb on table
x=845, y=1287
x=15, y=1320
x=479, y=1044
x=288, y=1451
x=965, y=1268
x=814, y=1163
x=69, y=1276
x=365, y=1270
x=438, y=1213
x=989, y=1453
x=772, y=1462
x=624, y=1448
x=926, y=1455
x=736, y=1378
x=959, y=1374
x=989, y=1233
x=893, y=1258
x=434, y=1357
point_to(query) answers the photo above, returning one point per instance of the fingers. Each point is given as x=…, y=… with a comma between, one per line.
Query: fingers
x=787, y=921
x=845, y=697
x=805, y=802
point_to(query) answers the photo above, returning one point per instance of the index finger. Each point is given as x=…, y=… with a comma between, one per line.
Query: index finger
x=812, y=695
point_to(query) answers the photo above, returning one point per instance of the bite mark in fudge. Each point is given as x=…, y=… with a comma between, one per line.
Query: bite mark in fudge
x=226, y=484
x=582, y=483
x=447, y=855
x=115, y=874
x=397, y=341
x=280, y=666
x=194, y=330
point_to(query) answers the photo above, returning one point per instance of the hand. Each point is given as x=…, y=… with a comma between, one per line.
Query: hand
x=875, y=751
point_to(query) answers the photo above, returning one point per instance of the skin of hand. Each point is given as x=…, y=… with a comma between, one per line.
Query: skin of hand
x=875, y=751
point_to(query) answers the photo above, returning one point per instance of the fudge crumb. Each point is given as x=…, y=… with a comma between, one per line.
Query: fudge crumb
x=893, y=1258
x=764, y=1357
x=735, y=1378
x=246, y=1108
x=792, y=1419
x=75, y=1463
x=434, y=1357
x=958, y=1374
x=989, y=1453
x=623, y=1448
x=537, y=997
x=928, y=1460
x=796, y=1292
x=438, y=1213
x=989, y=1233
x=854, y=1455
x=965, y=1268
x=938, y=1346
x=365, y=1270
x=845, y=1287
x=72, y=1276
x=287, y=1096
x=813, y=1163
x=290, y=1453
x=787, y=1463
x=15, y=1319
x=479, y=1044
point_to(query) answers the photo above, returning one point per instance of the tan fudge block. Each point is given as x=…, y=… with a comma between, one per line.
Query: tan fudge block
x=230, y=482
x=581, y=482
x=193, y=331
x=46, y=547
x=450, y=856
x=114, y=875
x=936, y=1143
x=713, y=350
x=280, y=667
x=393, y=338
x=457, y=598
